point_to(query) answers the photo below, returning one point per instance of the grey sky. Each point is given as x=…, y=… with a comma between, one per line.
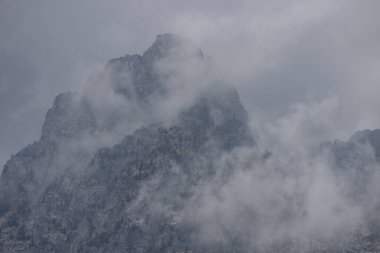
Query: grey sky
x=278, y=53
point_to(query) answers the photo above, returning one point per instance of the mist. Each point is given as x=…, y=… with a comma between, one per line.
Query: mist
x=276, y=54
x=306, y=73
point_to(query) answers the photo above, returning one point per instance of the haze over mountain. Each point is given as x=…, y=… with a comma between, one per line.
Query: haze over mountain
x=155, y=154
x=252, y=126
x=279, y=55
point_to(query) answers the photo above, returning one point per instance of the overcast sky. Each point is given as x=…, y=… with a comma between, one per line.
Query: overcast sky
x=309, y=55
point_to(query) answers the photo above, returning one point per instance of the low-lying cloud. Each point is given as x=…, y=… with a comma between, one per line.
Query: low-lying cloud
x=307, y=72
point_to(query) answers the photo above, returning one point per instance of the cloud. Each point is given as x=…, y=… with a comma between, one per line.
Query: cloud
x=277, y=54
x=295, y=200
x=306, y=71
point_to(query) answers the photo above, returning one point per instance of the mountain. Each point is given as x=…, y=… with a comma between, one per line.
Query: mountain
x=59, y=195
x=155, y=154
x=356, y=164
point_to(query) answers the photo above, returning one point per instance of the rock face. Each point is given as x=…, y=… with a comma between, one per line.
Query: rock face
x=356, y=164
x=123, y=168
x=137, y=76
x=56, y=196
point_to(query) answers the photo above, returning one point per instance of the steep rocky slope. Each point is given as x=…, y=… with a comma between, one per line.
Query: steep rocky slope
x=156, y=156
x=57, y=196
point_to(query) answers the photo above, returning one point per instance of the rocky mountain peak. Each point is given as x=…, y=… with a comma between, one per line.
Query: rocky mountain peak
x=55, y=192
x=141, y=76
x=169, y=44
x=164, y=182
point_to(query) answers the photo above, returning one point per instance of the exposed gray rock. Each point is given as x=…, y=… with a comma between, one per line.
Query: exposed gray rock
x=61, y=194
x=356, y=163
x=130, y=197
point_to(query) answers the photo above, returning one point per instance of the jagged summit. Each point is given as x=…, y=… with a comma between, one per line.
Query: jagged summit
x=360, y=151
x=68, y=118
x=373, y=136
x=167, y=44
x=116, y=172
x=69, y=193
x=142, y=77
x=162, y=47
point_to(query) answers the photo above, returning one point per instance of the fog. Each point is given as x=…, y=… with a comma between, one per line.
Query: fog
x=306, y=71
x=277, y=54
